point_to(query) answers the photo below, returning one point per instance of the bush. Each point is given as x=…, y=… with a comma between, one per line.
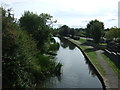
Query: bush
x=17, y=55
x=26, y=65
x=54, y=46
x=76, y=37
x=23, y=65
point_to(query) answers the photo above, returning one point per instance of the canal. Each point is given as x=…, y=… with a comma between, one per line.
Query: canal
x=76, y=71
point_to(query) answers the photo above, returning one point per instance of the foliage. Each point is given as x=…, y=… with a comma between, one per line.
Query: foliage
x=113, y=33
x=64, y=30
x=55, y=32
x=95, y=30
x=54, y=46
x=37, y=26
x=76, y=37
x=67, y=31
x=72, y=32
x=18, y=56
x=23, y=64
x=47, y=18
x=58, y=69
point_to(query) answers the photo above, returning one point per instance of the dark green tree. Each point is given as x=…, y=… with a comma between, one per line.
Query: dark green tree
x=95, y=30
x=38, y=26
x=22, y=64
x=64, y=30
x=17, y=54
x=72, y=32
x=113, y=34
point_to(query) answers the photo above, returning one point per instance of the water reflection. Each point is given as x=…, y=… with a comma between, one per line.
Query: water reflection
x=91, y=68
x=77, y=72
x=66, y=44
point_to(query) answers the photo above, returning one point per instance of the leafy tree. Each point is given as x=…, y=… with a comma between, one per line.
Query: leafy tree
x=72, y=32
x=113, y=34
x=47, y=19
x=64, y=30
x=88, y=31
x=17, y=52
x=37, y=26
x=22, y=63
x=95, y=30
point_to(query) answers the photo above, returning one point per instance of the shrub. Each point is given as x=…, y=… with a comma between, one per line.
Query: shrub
x=19, y=56
x=76, y=37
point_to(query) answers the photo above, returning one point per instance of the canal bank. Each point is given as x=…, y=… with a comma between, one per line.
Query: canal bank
x=76, y=72
x=109, y=80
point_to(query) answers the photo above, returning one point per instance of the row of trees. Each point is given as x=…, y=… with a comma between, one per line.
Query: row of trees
x=25, y=45
x=113, y=34
x=112, y=37
x=67, y=31
x=95, y=30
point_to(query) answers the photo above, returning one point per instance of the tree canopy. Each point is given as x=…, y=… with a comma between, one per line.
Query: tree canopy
x=113, y=33
x=37, y=26
x=95, y=30
x=23, y=63
x=64, y=30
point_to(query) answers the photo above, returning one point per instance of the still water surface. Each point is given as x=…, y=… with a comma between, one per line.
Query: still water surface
x=76, y=70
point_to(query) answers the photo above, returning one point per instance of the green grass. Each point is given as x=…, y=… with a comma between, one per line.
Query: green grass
x=103, y=44
x=94, y=59
x=82, y=40
x=112, y=64
x=91, y=55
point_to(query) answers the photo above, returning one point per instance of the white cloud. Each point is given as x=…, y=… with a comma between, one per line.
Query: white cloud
x=70, y=12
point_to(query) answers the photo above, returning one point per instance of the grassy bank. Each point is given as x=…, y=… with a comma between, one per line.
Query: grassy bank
x=106, y=58
x=94, y=59
x=91, y=55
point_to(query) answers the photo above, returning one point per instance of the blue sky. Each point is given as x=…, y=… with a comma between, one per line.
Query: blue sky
x=74, y=13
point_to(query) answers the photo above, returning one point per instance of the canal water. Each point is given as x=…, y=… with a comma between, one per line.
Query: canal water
x=76, y=71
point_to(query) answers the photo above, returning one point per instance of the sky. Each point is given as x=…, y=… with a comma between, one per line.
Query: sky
x=74, y=13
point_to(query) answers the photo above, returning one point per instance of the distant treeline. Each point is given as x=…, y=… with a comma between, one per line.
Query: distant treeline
x=94, y=30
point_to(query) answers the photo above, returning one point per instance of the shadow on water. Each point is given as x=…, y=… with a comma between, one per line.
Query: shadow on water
x=66, y=44
x=71, y=46
x=91, y=68
x=59, y=78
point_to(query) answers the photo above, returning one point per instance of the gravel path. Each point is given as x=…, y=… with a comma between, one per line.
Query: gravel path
x=110, y=77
